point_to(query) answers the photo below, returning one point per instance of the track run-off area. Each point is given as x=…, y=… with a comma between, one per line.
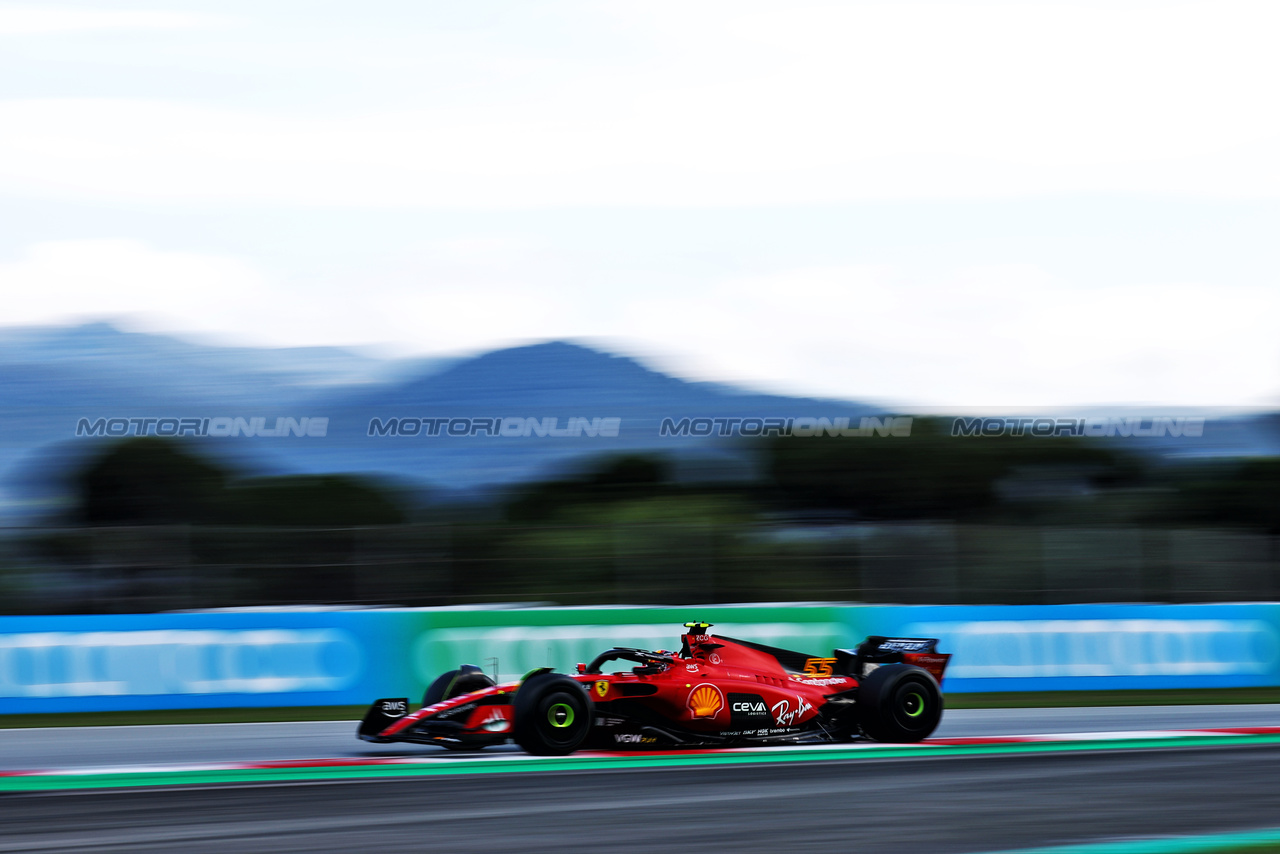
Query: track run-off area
x=506, y=762
x=1023, y=780
x=84, y=757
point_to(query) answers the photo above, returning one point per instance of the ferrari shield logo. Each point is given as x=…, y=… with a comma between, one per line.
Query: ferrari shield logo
x=602, y=687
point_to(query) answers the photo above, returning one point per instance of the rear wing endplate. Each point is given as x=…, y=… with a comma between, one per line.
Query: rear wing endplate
x=878, y=650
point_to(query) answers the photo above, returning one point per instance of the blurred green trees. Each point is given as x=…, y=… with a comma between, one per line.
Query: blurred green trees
x=148, y=481
x=932, y=475
x=153, y=481
x=924, y=518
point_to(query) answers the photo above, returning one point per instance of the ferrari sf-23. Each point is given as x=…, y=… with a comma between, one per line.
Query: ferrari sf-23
x=714, y=692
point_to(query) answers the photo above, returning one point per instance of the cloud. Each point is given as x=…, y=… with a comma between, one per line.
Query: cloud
x=37, y=20
x=999, y=335
x=62, y=281
x=724, y=104
x=453, y=296
x=996, y=336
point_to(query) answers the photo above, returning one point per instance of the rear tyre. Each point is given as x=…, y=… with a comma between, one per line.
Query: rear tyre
x=899, y=703
x=553, y=715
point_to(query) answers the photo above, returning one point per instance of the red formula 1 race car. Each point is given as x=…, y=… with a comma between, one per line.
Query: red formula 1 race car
x=715, y=692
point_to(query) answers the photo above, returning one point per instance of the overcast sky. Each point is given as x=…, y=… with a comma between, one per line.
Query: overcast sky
x=950, y=204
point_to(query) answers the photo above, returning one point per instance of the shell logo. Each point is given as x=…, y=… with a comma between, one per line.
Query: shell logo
x=705, y=701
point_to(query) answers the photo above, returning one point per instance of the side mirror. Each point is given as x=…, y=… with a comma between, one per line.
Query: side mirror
x=582, y=668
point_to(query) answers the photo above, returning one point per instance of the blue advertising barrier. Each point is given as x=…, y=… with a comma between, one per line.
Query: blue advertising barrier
x=1091, y=647
x=282, y=658
x=289, y=658
x=156, y=661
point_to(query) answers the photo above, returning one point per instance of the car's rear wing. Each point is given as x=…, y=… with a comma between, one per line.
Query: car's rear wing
x=878, y=650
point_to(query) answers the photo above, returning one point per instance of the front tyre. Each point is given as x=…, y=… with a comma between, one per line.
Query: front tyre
x=553, y=715
x=435, y=691
x=455, y=683
x=899, y=703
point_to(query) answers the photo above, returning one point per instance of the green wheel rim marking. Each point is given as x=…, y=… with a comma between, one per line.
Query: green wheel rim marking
x=919, y=704
x=555, y=711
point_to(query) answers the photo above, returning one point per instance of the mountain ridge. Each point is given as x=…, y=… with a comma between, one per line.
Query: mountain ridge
x=51, y=378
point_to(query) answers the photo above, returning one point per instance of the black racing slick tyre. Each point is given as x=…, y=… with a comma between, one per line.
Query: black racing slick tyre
x=553, y=715
x=899, y=703
x=455, y=683
x=435, y=691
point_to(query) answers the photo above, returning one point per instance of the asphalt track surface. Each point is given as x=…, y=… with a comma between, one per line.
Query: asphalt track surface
x=952, y=804
x=81, y=747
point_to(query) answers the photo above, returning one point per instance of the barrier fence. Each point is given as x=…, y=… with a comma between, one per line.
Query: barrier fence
x=675, y=557
x=287, y=658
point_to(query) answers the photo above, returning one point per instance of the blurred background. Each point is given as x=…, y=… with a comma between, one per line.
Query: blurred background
x=332, y=220
x=908, y=509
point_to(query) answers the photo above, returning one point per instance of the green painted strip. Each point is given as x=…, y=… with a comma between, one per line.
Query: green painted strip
x=1181, y=845
x=61, y=782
